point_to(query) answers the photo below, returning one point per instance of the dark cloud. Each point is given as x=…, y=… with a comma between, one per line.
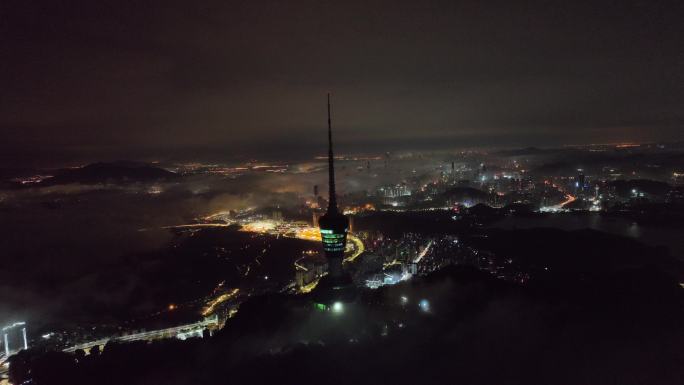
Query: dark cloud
x=112, y=76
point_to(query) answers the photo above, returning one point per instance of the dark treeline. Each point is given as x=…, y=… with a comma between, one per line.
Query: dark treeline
x=478, y=330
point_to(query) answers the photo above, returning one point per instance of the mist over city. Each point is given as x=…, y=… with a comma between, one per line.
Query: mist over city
x=358, y=192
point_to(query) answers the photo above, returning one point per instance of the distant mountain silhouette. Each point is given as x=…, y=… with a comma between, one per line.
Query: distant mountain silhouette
x=525, y=151
x=549, y=253
x=624, y=187
x=114, y=172
x=580, y=331
x=465, y=193
x=483, y=210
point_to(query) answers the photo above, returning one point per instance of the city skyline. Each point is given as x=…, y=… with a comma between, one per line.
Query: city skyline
x=497, y=196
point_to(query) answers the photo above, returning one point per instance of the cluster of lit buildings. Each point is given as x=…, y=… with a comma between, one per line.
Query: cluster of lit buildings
x=394, y=195
x=228, y=171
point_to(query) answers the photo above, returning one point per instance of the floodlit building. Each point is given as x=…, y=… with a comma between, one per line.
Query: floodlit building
x=393, y=195
x=395, y=191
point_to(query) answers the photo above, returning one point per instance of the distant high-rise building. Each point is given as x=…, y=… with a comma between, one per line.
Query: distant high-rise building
x=581, y=180
x=316, y=216
x=320, y=201
x=315, y=190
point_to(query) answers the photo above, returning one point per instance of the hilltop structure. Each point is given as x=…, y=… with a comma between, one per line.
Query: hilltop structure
x=337, y=286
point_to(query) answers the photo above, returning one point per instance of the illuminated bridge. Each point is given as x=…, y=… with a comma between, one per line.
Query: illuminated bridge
x=181, y=332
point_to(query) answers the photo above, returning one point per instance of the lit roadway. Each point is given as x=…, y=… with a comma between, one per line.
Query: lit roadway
x=189, y=329
x=211, y=306
x=424, y=252
x=568, y=199
x=359, y=248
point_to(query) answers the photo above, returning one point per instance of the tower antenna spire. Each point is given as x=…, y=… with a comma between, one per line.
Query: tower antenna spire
x=334, y=227
x=332, y=199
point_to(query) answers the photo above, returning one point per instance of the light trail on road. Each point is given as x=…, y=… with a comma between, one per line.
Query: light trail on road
x=569, y=199
x=360, y=248
x=219, y=300
x=424, y=252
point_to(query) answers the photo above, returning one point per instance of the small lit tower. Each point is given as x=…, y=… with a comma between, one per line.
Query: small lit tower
x=14, y=335
x=333, y=224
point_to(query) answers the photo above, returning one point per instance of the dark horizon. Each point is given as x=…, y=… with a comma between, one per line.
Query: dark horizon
x=124, y=78
x=283, y=151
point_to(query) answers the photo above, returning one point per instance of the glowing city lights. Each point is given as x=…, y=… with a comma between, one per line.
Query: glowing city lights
x=337, y=307
x=424, y=305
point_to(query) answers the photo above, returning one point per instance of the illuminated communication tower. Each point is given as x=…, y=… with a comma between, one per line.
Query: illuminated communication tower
x=337, y=286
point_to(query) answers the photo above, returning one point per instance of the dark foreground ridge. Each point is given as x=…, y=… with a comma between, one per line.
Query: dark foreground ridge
x=457, y=325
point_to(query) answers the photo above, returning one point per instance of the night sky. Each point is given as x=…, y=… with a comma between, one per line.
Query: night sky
x=119, y=77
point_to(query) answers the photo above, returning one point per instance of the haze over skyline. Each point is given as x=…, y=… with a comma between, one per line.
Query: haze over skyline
x=354, y=192
x=250, y=77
